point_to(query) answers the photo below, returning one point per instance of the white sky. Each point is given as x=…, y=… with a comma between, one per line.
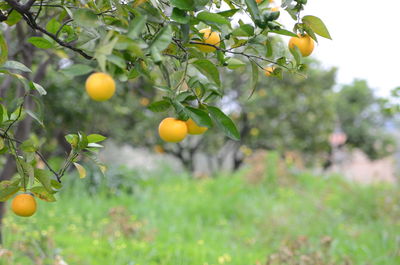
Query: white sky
x=366, y=40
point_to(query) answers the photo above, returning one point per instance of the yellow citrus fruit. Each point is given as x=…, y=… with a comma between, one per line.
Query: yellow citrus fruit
x=209, y=37
x=100, y=86
x=24, y=205
x=304, y=43
x=275, y=9
x=193, y=128
x=259, y=1
x=269, y=70
x=172, y=130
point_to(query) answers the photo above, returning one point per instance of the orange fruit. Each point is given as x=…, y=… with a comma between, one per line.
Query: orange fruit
x=304, y=43
x=172, y=130
x=269, y=70
x=24, y=205
x=209, y=37
x=100, y=86
x=193, y=128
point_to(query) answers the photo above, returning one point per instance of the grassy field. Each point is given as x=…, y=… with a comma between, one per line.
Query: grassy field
x=175, y=220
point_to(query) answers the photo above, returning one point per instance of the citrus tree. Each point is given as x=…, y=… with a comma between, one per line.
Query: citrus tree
x=178, y=46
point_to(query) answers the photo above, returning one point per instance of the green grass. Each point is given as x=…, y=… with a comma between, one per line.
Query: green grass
x=175, y=220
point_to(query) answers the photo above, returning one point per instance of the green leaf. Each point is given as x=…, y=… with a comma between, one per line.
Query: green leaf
x=228, y=13
x=82, y=140
x=234, y=63
x=136, y=26
x=254, y=77
x=8, y=188
x=199, y=116
x=52, y=26
x=43, y=194
x=40, y=42
x=28, y=146
x=317, y=26
x=188, y=5
x=81, y=170
x=252, y=7
x=14, y=65
x=180, y=110
x=3, y=49
x=162, y=39
x=35, y=117
x=213, y=18
x=72, y=139
x=179, y=16
x=86, y=17
x=43, y=176
x=77, y=70
x=55, y=184
x=1, y=143
x=13, y=18
x=38, y=88
x=284, y=32
x=95, y=138
x=159, y=106
x=224, y=123
x=245, y=30
x=296, y=54
x=209, y=69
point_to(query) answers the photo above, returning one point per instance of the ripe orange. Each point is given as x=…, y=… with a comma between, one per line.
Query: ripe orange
x=304, y=43
x=172, y=130
x=269, y=70
x=24, y=205
x=209, y=37
x=100, y=86
x=193, y=128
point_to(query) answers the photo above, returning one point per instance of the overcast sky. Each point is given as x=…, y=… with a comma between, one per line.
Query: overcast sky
x=366, y=40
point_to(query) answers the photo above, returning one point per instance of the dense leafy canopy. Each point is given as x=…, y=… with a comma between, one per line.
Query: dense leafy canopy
x=160, y=42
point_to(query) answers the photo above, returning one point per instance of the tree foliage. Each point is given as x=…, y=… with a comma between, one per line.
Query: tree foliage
x=155, y=41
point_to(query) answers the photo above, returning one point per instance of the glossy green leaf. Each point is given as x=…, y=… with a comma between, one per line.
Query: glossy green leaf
x=38, y=88
x=213, y=18
x=317, y=26
x=245, y=30
x=224, y=123
x=86, y=17
x=40, y=42
x=234, y=63
x=77, y=70
x=14, y=65
x=95, y=138
x=159, y=106
x=179, y=16
x=136, y=26
x=199, y=116
x=13, y=18
x=43, y=194
x=188, y=5
x=162, y=39
x=44, y=176
x=284, y=32
x=209, y=69
x=228, y=13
